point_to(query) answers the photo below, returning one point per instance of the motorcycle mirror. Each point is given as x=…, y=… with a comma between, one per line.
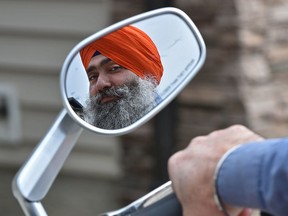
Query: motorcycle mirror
x=162, y=50
x=172, y=51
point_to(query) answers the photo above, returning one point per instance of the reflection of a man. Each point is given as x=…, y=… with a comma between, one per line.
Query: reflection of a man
x=123, y=68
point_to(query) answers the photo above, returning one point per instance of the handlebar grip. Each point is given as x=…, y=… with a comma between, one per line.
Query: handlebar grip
x=168, y=206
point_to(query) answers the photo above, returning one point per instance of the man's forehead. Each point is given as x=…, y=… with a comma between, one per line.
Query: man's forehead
x=98, y=61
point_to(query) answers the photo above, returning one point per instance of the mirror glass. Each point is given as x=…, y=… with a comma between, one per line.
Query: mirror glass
x=124, y=76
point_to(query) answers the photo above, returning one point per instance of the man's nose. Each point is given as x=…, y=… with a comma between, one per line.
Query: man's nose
x=103, y=82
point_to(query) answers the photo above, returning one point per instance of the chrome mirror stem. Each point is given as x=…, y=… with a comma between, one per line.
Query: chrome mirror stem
x=36, y=176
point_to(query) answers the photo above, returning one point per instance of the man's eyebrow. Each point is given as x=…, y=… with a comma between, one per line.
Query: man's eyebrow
x=105, y=61
x=90, y=69
x=102, y=63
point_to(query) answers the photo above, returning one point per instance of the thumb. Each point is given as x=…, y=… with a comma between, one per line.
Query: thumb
x=245, y=212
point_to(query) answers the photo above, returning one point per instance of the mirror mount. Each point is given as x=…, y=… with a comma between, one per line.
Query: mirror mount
x=32, y=208
x=34, y=179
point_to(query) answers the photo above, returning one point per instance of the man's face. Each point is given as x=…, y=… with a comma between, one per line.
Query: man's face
x=103, y=74
x=118, y=97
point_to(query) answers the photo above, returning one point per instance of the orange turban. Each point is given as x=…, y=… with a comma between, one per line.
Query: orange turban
x=129, y=47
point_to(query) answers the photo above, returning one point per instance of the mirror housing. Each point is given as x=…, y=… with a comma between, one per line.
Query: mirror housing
x=179, y=44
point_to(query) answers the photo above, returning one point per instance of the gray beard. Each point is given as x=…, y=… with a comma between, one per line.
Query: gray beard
x=135, y=100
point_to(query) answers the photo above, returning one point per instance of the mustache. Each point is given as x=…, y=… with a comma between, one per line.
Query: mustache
x=118, y=92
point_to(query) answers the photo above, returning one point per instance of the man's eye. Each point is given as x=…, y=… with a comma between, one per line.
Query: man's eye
x=92, y=77
x=116, y=68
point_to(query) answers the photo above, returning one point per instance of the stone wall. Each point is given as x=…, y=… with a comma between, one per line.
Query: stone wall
x=263, y=65
x=243, y=81
x=211, y=101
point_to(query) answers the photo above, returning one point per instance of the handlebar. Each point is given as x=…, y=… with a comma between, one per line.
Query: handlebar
x=167, y=206
x=160, y=202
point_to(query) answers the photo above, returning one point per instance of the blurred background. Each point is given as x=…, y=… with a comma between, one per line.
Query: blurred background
x=244, y=81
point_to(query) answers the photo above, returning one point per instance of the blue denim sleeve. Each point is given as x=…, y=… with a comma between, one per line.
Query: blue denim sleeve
x=256, y=176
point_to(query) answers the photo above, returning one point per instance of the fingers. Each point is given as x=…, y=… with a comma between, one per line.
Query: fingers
x=242, y=135
x=199, y=140
x=192, y=169
x=174, y=160
x=233, y=135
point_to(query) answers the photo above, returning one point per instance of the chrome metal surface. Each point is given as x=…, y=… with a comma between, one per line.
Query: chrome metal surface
x=185, y=72
x=36, y=176
x=143, y=202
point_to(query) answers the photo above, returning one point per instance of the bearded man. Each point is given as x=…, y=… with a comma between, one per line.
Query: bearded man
x=123, y=69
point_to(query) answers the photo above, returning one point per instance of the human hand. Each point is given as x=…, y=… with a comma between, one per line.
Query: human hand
x=192, y=170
